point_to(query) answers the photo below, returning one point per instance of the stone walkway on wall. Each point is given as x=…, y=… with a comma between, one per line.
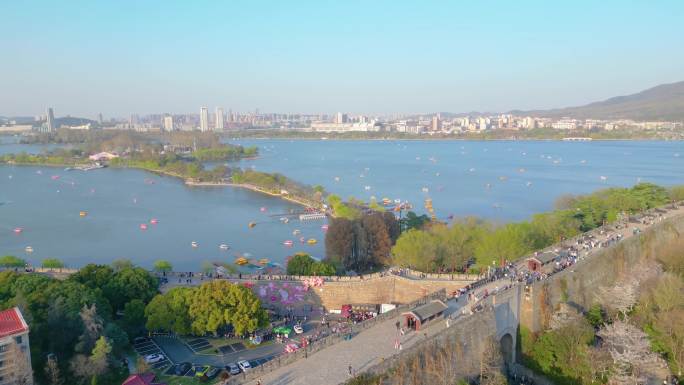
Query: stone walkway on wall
x=370, y=347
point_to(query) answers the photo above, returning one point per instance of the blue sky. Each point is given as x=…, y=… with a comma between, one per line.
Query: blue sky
x=121, y=57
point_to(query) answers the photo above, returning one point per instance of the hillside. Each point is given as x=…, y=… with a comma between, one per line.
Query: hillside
x=663, y=102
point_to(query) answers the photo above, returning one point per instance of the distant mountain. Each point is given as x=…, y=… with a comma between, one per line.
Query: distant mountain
x=663, y=102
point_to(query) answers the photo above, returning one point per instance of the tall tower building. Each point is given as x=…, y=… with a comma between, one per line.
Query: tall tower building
x=219, y=119
x=204, y=119
x=168, y=123
x=50, y=120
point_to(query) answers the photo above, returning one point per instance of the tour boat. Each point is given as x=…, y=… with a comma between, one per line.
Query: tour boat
x=263, y=209
x=312, y=241
x=503, y=178
x=251, y=224
x=54, y=177
x=366, y=188
x=284, y=220
x=143, y=226
x=193, y=244
x=29, y=249
x=397, y=201
x=83, y=213
x=223, y=246
x=528, y=184
x=288, y=243
x=425, y=189
x=302, y=240
x=241, y=261
x=154, y=221
x=18, y=230
x=604, y=178
x=296, y=232
x=337, y=179
x=386, y=201
x=263, y=261
x=471, y=169
x=521, y=170
x=324, y=227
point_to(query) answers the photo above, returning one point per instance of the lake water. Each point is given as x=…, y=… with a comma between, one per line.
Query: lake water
x=501, y=180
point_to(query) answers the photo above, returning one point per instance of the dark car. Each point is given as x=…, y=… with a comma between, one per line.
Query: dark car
x=139, y=340
x=182, y=368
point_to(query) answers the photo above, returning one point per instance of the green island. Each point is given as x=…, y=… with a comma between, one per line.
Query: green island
x=179, y=154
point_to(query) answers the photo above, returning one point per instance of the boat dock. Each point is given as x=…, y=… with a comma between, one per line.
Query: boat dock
x=311, y=217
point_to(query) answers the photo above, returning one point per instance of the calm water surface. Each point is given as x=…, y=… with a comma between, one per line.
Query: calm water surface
x=502, y=181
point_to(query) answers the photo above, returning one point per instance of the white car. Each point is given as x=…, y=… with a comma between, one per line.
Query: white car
x=244, y=365
x=298, y=329
x=152, y=358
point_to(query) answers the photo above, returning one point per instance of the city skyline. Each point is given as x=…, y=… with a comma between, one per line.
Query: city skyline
x=380, y=58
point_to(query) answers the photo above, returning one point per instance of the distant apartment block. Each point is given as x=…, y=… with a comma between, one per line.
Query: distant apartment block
x=15, y=354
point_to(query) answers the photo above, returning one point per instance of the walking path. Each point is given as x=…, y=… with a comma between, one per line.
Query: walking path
x=369, y=347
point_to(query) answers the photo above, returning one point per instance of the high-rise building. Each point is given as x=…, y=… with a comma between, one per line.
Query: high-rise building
x=219, y=118
x=435, y=123
x=339, y=118
x=204, y=119
x=15, y=352
x=50, y=120
x=168, y=123
x=99, y=118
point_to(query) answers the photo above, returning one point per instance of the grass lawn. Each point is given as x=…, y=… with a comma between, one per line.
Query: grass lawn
x=175, y=380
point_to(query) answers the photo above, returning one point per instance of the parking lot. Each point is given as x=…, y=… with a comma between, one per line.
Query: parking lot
x=146, y=347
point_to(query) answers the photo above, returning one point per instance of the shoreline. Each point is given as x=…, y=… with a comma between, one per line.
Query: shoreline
x=186, y=181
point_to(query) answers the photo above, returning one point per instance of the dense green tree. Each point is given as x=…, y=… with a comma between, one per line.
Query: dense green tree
x=11, y=261
x=414, y=221
x=128, y=284
x=416, y=249
x=133, y=320
x=162, y=265
x=170, y=311
x=304, y=264
x=52, y=263
x=217, y=304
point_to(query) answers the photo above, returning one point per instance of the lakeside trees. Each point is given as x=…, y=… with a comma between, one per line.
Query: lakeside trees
x=361, y=244
x=440, y=247
x=304, y=264
x=208, y=308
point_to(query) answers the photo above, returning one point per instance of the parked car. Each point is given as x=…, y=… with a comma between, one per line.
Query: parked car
x=201, y=371
x=298, y=329
x=182, y=368
x=139, y=340
x=153, y=358
x=211, y=374
x=244, y=365
x=233, y=369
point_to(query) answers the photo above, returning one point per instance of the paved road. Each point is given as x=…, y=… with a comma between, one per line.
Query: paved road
x=179, y=352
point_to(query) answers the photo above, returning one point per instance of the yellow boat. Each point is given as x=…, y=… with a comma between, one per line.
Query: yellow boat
x=241, y=261
x=263, y=261
x=83, y=213
x=312, y=241
x=252, y=224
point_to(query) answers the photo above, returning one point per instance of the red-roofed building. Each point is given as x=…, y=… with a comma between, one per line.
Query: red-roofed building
x=15, y=353
x=141, y=379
